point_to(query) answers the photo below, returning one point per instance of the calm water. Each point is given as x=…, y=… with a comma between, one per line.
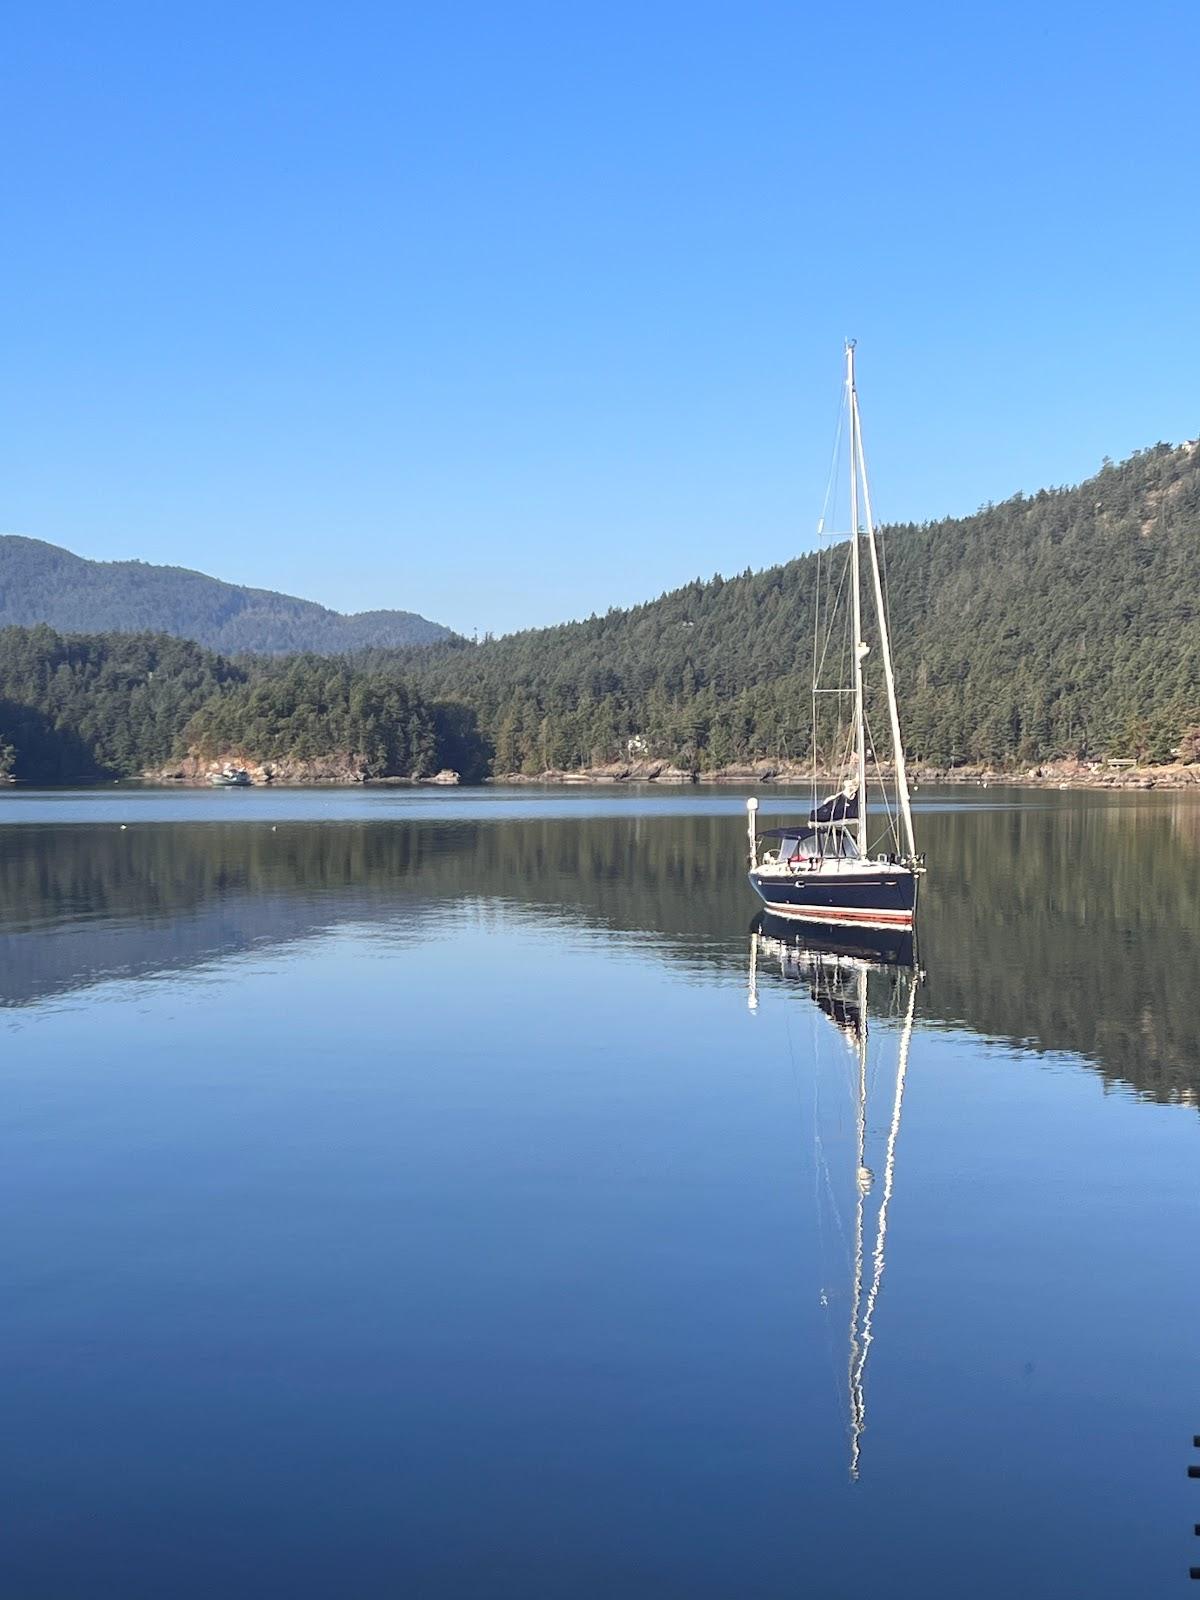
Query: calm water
x=402, y=1197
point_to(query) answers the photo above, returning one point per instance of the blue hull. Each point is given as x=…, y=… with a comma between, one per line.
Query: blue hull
x=887, y=898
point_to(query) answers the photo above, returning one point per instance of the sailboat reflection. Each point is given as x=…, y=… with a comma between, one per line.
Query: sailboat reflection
x=835, y=965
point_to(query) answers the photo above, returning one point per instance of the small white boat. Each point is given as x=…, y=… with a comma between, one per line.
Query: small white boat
x=230, y=778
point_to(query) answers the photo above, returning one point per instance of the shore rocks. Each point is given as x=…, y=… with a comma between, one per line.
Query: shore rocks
x=615, y=772
x=341, y=768
x=347, y=768
x=1114, y=774
x=1050, y=774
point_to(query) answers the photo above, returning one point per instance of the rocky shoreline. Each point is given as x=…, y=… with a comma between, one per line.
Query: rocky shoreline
x=346, y=770
x=339, y=769
x=1049, y=775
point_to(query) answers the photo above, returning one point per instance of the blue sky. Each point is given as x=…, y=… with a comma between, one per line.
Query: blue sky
x=509, y=313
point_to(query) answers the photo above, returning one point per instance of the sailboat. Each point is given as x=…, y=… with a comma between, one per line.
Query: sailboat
x=840, y=865
x=836, y=969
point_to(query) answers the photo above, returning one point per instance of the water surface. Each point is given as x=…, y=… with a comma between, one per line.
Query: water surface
x=404, y=1197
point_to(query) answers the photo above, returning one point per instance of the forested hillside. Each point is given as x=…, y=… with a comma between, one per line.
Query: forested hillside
x=1066, y=623
x=42, y=583
x=117, y=705
x=97, y=707
x=308, y=707
x=1062, y=623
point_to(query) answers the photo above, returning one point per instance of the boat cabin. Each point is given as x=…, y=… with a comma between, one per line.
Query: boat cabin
x=806, y=842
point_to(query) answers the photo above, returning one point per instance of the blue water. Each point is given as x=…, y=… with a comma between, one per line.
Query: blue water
x=403, y=1197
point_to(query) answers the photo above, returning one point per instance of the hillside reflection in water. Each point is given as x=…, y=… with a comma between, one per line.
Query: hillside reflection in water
x=1067, y=926
x=410, y=1202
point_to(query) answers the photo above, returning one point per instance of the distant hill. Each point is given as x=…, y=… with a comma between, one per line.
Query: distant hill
x=1063, y=623
x=43, y=583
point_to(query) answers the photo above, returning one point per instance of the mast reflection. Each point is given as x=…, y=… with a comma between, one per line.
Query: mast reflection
x=835, y=966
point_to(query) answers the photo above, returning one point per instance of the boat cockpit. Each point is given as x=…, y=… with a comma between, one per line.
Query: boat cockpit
x=798, y=846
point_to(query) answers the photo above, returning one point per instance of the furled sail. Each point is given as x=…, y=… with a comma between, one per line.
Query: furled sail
x=840, y=807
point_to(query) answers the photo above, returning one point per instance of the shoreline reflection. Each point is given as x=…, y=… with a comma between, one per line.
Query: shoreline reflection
x=1037, y=956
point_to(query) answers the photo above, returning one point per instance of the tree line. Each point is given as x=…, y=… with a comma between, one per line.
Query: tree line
x=117, y=705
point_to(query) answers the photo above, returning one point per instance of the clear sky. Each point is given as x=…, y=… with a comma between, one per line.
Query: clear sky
x=506, y=313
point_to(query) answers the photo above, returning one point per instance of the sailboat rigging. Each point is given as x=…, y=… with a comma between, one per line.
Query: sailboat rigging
x=828, y=869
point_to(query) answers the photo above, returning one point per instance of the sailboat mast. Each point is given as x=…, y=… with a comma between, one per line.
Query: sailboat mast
x=860, y=730
x=884, y=637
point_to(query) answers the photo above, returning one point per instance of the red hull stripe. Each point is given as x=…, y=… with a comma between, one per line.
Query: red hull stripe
x=864, y=916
